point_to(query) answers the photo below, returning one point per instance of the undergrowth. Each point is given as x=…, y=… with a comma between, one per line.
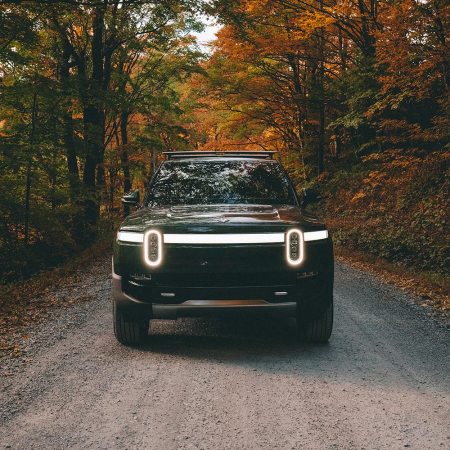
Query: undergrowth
x=394, y=206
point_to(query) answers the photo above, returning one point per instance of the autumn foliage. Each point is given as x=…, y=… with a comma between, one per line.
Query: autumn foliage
x=352, y=93
x=88, y=98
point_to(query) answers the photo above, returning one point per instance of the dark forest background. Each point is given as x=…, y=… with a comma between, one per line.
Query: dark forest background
x=352, y=94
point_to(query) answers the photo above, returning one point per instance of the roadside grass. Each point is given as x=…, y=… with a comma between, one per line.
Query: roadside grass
x=430, y=288
x=27, y=302
x=392, y=205
x=388, y=213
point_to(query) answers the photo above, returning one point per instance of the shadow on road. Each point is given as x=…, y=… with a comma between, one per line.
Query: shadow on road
x=357, y=352
x=230, y=339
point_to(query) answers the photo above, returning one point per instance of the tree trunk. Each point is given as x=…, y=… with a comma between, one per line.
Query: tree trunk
x=68, y=131
x=440, y=31
x=124, y=158
x=368, y=18
x=124, y=154
x=299, y=104
x=71, y=156
x=94, y=122
x=153, y=163
x=93, y=143
x=343, y=50
x=321, y=143
x=321, y=91
x=29, y=169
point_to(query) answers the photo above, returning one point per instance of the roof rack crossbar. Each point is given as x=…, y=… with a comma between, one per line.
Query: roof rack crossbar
x=231, y=153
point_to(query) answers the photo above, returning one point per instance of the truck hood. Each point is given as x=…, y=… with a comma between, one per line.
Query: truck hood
x=217, y=218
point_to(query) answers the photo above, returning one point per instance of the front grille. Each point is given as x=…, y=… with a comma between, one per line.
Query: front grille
x=226, y=279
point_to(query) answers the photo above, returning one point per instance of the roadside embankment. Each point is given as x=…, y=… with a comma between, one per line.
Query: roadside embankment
x=389, y=213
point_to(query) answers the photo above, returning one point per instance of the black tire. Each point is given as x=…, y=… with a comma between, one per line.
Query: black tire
x=318, y=329
x=128, y=330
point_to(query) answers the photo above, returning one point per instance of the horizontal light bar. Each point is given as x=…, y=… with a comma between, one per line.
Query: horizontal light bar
x=315, y=235
x=127, y=236
x=244, y=238
x=219, y=239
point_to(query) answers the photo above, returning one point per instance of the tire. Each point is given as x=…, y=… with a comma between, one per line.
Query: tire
x=127, y=330
x=318, y=330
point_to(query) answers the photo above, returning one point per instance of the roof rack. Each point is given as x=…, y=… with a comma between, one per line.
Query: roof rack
x=219, y=153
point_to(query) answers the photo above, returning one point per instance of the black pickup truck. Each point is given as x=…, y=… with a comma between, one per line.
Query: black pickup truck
x=220, y=231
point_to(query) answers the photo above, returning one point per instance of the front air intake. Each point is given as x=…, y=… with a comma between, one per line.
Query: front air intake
x=294, y=247
x=153, y=248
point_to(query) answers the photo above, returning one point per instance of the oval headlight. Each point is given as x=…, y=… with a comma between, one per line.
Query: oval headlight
x=294, y=247
x=153, y=248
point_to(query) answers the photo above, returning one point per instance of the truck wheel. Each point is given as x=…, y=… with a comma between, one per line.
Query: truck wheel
x=317, y=329
x=128, y=330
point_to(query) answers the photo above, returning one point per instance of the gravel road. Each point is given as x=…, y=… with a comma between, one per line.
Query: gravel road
x=383, y=381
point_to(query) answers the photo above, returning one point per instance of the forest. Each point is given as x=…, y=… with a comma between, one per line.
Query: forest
x=353, y=94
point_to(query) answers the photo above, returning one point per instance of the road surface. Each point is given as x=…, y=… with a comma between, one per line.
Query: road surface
x=382, y=382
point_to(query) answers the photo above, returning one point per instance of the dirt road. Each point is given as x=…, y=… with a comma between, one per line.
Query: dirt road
x=383, y=381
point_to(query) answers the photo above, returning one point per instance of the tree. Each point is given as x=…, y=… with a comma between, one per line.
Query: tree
x=92, y=37
x=69, y=80
x=291, y=62
x=412, y=110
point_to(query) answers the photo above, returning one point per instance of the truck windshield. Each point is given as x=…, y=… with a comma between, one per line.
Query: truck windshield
x=220, y=182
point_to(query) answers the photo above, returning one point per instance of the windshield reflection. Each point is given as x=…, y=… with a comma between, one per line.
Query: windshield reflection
x=220, y=182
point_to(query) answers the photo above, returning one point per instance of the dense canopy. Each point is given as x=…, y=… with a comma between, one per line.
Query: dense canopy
x=353, y=95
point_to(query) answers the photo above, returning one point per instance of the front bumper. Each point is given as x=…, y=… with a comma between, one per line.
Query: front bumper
x=201, y=308
x=170, y=302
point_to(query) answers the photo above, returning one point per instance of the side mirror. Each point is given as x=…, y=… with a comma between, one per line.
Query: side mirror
x=131, y=198
x=309, y=196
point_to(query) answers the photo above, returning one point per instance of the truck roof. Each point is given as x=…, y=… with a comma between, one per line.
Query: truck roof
x=210, y=154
